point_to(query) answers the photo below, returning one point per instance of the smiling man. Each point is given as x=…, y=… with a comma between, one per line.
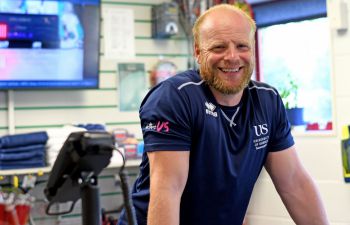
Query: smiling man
x=225, y=51
x=221, y=129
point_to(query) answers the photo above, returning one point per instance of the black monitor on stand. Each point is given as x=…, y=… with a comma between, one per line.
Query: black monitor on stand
x=74, y=175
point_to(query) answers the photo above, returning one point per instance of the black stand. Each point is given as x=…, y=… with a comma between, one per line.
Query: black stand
x=74, y=175
x=90, y=202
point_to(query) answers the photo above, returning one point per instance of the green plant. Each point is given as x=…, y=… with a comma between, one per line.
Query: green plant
x=289, y=93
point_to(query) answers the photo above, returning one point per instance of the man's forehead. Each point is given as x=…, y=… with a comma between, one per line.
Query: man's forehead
x=222, y=18
x=225, y=28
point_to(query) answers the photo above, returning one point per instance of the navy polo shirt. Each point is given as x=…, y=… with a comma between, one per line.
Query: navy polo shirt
x=228, y=145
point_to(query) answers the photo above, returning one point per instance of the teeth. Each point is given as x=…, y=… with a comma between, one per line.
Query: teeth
x=230, y=70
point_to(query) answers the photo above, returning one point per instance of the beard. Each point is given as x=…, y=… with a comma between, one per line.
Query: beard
x=212, y=79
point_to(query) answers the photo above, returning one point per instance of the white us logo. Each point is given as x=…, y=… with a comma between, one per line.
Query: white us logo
x=261, y=129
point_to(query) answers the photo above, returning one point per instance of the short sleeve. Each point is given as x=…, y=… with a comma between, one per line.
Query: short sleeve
x=165, y=119
x=282, y=137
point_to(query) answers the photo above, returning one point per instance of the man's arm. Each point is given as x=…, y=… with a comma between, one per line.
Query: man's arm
x=296, y=188
x=168, y=177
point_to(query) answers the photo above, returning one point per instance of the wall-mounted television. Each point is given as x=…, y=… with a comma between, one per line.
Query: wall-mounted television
x=46, y=44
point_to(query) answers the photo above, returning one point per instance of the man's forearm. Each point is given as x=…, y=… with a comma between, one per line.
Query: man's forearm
x=304, y=204
x=168, y=177
x=164, y=208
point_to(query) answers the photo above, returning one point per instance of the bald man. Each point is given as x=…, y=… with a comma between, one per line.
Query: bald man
x=208, y=133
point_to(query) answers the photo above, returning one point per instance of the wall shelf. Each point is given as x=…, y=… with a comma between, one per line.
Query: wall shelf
x=43, y=170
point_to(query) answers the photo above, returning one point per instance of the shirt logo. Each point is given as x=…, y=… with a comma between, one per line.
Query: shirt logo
x=163, y=126
x=261, y=129
x=210, y=107
x=262, y=137
x=160, y=126
x=150, y=126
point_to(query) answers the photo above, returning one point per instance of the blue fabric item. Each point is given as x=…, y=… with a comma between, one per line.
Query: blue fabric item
x=36, y=161
x=91, y=126
x=20, y=155
x=277, y=12
x=22, y=165
x=28, y=148
x=15, y=140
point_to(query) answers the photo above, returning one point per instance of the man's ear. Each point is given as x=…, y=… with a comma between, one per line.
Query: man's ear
x=197, y=52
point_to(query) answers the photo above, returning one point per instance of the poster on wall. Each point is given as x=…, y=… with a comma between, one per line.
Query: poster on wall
x=132, y=85
x=119, y=38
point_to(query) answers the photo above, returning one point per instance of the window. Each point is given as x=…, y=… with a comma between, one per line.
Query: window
x=298, y=53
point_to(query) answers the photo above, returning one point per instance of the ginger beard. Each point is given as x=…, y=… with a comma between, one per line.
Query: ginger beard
x=210, y=76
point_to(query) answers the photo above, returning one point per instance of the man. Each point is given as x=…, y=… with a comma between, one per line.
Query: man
x=208, y=134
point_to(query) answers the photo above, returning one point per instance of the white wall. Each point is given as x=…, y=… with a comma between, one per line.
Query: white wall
x=321, y=155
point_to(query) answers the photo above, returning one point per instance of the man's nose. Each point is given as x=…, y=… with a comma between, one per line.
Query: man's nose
x=231, y=53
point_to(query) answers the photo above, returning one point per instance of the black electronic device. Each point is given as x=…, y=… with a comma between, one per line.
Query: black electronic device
x=74, y=174
x=49, y=44
x=165, y=20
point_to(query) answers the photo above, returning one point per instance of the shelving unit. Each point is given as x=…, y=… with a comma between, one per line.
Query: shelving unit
x=43, y=170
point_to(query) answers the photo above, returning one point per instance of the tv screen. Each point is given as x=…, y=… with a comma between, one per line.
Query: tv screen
x=49, y=44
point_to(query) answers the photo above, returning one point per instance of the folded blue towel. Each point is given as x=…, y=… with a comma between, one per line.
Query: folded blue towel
x=38, y=159
x=20, y=156
x=31, y=159
x=22, y=165
x=28, y=148
x=9, y=141
x=34, y=159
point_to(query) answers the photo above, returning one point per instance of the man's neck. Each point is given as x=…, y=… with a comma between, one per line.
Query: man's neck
x=227, y=99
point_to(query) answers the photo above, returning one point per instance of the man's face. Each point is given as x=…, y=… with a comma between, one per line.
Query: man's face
x=225, y=52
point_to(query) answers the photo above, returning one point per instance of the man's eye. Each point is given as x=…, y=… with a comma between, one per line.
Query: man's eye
x=218, y=48
x=242, y=46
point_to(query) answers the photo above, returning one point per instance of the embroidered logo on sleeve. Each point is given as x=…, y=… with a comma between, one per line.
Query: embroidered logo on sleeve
x=150, y=126
x=159, y=126
x=163, y=126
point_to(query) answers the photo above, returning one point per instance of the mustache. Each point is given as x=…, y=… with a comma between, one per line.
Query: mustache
x=210, y=76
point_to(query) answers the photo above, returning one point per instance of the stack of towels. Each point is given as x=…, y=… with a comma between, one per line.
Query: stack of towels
x=23, y=150
x=57, y=137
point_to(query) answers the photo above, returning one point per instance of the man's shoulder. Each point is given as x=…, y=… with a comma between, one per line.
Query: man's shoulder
x=184, y=79
x=262, y=88
x=174, y=88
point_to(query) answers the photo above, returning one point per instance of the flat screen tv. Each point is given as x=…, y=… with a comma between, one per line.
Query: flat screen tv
x=46, y=44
